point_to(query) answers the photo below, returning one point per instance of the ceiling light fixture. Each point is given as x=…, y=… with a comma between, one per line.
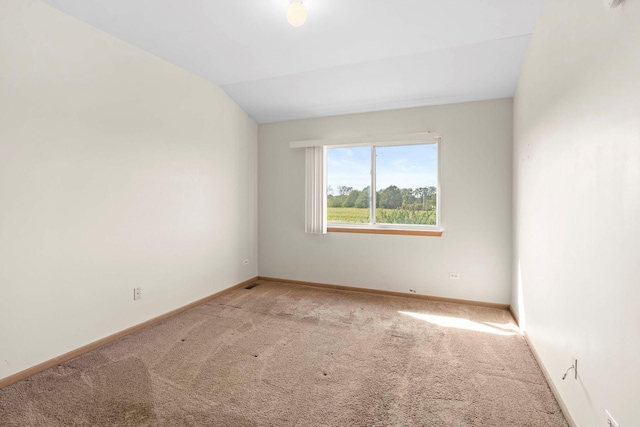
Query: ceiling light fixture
x=296, y=13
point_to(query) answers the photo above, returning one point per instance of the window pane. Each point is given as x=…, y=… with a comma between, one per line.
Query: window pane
x=406, y=184
x=348, y=185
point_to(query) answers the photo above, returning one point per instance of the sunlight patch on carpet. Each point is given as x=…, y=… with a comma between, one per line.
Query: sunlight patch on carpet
x=460, y=323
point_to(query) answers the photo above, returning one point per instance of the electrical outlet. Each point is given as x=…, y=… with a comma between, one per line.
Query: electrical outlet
x=454, y=276
x=137, y=293
x=245, y=262
x=610, y=421
x=412, y=291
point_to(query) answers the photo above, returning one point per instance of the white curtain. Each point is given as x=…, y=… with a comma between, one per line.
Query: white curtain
x=315, y=188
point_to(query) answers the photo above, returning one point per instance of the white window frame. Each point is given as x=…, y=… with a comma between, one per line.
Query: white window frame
x=316, y=208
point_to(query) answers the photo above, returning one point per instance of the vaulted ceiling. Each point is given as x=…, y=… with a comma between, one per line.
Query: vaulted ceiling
x=350, y=56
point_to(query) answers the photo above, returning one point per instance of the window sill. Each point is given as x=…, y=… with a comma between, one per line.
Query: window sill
x=396, y=231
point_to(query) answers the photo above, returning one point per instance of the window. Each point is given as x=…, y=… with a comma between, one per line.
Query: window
x=374, y=184
x=405, y=179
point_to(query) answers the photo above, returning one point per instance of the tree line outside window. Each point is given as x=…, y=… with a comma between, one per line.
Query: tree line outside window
x=392, y=197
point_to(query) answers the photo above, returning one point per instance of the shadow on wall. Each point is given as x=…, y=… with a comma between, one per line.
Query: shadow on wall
x=520, y=289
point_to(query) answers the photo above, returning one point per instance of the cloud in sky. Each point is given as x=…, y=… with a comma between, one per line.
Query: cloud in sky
x=407, y=166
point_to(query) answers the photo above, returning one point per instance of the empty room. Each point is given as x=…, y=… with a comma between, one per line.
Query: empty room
x=320, y=213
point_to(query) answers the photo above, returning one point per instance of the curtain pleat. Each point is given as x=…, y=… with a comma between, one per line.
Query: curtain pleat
x=315, y=188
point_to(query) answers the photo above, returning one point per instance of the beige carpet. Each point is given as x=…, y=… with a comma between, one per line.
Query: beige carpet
x=286, y=355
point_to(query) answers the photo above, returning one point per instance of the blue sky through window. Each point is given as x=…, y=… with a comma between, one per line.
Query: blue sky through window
x=407, y=166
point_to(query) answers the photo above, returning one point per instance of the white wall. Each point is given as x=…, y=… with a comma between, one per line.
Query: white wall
x=476, y=207
x=117, y=170
x=577, y=204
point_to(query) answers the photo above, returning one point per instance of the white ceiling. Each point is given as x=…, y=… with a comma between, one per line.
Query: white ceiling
x=350, y=56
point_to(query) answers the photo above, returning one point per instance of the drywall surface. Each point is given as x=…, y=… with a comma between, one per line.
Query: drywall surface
x=117, y=170
x=476, y=207
x=577, y=204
